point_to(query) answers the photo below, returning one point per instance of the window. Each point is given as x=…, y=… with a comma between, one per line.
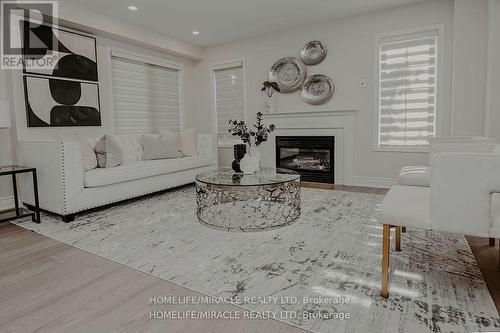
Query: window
x=407, y=90
x=146, y=97
x=229, y=96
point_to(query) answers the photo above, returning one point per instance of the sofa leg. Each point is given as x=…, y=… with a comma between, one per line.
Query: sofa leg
x=386, y=242
x=398, y=239
x=68, y=218
x=492, y=241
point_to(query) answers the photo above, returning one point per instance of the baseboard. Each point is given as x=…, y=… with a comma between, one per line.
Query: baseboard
x=374, y=182
x=6, y=203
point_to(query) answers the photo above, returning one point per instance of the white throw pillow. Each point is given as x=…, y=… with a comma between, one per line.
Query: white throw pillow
x=188, y=142
x=89, y=158
x=155, y=147
x=108, y=151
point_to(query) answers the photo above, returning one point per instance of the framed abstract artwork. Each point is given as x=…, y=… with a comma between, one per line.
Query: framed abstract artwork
x=58, y=102
x=65, y=90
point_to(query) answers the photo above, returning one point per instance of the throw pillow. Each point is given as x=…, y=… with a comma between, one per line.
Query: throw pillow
x=108, y=152
x=188, y=142
x=89, y=159
x=158, y=147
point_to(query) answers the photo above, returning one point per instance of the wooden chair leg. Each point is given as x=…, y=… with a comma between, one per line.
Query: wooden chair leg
x=398, y=239
x=386, y=242
x=492, y=241
x=403, y=229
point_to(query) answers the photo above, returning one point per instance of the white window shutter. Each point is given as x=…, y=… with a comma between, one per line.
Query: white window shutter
x=229, y=97
x=407, y=90
x=146, y=97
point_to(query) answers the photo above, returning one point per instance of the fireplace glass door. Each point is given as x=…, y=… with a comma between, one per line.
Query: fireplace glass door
x=311, y=156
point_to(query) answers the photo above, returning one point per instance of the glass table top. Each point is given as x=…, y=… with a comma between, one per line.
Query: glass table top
x=7, y=169
x=267, y=176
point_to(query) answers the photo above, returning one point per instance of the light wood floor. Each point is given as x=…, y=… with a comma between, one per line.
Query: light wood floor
x=48, y=286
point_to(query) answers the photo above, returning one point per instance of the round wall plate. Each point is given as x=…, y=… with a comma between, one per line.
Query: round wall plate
x=313, y=53
x=289, y=73
x=317, y=89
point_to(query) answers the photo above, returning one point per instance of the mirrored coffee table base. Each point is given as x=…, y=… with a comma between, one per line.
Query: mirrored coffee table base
x=263, y=201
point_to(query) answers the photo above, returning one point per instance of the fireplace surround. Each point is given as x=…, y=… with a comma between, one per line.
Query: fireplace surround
x=311, y=156
x=337, y=123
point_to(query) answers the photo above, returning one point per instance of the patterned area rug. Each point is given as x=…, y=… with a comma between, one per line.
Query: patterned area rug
x=321, y=269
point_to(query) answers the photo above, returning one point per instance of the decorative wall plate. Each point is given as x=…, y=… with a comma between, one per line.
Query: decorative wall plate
x=317, y=89
x=313, y=53
x=289, y=72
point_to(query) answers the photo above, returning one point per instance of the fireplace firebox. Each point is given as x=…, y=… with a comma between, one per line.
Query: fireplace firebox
x=311, y=156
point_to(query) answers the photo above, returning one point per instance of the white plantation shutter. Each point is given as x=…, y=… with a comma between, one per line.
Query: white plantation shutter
x=407, y=90
x=229, y=99
x=146, y=97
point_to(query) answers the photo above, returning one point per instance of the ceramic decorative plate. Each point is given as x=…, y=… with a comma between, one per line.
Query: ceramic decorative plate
x=313, y=53
x=289, y=72
x=317, y=89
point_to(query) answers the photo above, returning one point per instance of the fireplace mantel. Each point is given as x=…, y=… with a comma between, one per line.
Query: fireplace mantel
x=337, y=123
x=310, y=114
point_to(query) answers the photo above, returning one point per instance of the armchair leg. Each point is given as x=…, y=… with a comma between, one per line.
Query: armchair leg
x=398, y=239
x=492, y=241
x=386, y=239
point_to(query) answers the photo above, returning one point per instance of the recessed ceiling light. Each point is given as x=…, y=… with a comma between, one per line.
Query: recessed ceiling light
x=133, y=8
x=195, y=32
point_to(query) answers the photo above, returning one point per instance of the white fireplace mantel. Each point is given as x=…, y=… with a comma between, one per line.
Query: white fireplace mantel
x=338, y=123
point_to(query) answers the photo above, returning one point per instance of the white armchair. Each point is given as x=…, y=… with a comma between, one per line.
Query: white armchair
x=463, y=197
x=420, y=175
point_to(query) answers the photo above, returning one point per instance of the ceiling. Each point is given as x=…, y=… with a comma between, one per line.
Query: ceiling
x=222, y=21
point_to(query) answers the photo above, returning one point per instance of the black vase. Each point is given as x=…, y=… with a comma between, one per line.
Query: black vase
x=239, y=151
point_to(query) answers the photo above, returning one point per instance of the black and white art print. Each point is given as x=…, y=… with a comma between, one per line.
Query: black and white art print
x=63, y=53
x=60, y=77
x=58, y=102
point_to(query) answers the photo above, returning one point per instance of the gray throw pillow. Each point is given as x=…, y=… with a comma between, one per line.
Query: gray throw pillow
x=108, y=152
x=158, y=147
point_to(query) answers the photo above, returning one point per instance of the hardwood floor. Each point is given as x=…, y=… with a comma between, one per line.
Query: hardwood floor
x=48, y=286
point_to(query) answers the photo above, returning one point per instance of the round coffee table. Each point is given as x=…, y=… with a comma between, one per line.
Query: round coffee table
x=236, y=202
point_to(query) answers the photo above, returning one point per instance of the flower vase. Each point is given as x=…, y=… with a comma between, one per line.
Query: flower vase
x=271, y=105
x=250, y=163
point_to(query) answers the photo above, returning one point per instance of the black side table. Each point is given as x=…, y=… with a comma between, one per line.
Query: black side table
x=13, y=170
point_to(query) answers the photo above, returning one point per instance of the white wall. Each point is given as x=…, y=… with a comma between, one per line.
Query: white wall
x=470, y=26
x=492, y=121
x=351, y=55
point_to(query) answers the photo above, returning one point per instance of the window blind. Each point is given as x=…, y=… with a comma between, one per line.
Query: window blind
x=407, y=90
x=146, y=97
x=229, y=98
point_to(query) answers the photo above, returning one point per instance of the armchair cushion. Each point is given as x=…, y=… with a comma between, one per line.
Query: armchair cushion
x=415, y=176
x=407, y=206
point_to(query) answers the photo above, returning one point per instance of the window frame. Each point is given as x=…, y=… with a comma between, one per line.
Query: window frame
x=439, y=108
x=149, y=60
x=227, y=142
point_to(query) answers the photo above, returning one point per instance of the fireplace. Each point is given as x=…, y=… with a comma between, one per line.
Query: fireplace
x=311, y=156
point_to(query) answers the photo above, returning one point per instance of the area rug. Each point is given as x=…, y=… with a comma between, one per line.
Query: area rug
x=321, y=273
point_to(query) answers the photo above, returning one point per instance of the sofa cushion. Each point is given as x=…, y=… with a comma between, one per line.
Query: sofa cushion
x=415, y=176
x=155, y=147
x=407, y=206
x=108, y=151
x=188, y=142
x=142, y=169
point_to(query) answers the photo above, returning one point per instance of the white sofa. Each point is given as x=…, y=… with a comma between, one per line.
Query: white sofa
x=65, y=188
